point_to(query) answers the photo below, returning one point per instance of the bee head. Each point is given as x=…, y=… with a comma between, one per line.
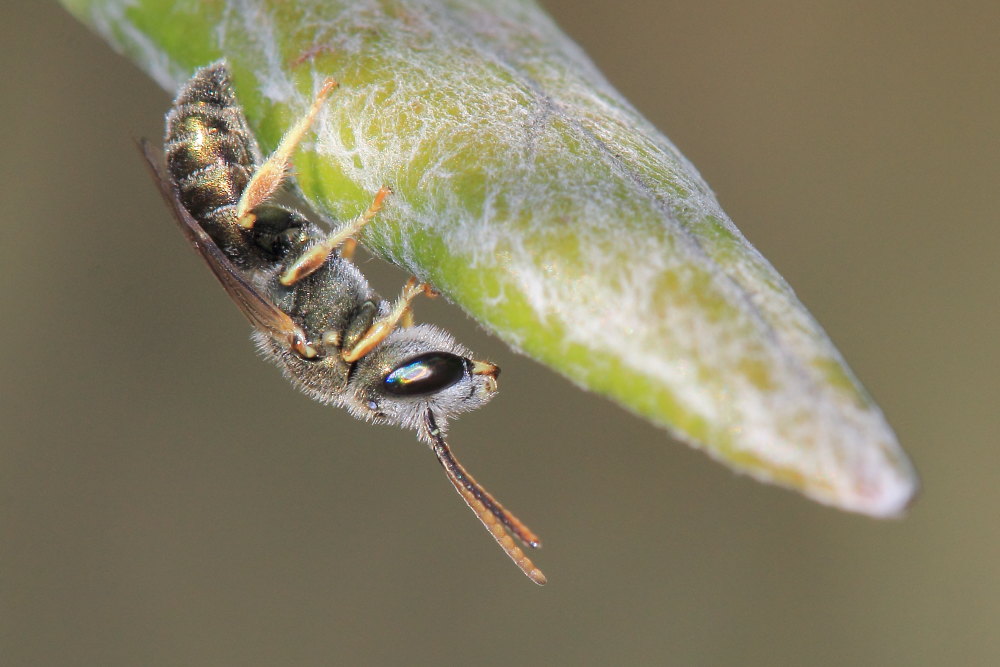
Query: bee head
x=416, y=371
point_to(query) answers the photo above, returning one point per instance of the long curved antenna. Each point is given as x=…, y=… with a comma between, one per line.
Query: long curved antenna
x=494, y=516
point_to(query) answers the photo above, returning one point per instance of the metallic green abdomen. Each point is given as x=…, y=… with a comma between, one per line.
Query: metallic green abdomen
x=210, y=152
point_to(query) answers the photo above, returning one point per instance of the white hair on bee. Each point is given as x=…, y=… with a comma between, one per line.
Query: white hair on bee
x=368, y=399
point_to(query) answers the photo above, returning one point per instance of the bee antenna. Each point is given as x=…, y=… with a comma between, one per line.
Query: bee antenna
x=494, y=516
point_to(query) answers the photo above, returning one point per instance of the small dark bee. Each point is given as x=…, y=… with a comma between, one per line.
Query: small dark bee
x=313, y=312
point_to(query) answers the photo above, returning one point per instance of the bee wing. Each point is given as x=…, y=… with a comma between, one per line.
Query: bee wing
x=257, y=307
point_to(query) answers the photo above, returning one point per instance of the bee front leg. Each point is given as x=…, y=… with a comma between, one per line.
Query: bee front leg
x=401, y=311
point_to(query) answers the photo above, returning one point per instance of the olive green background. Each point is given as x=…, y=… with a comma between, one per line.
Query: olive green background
x=168, y=499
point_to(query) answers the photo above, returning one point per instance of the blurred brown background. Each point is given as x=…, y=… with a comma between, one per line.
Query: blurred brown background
x=167, y=499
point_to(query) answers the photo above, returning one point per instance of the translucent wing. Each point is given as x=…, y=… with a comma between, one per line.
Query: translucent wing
x=257, y=307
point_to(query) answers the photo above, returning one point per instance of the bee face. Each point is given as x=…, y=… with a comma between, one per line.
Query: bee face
x=417, y=370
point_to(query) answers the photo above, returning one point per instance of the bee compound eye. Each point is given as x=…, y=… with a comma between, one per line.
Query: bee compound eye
x=425, y=374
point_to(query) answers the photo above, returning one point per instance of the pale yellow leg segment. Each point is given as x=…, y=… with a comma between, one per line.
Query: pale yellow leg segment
x=313, y=258
x=347, y=250
x=382, y=328
x=270, y=174
x=407, y=320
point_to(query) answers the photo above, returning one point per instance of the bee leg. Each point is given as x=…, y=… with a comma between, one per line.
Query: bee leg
x=359, y=325
x=269, y=175
x=406, y=321
x=383, y=327
x=314, y=257
x=347, y=249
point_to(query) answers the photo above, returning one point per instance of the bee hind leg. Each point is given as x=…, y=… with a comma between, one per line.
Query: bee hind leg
x=269, y=175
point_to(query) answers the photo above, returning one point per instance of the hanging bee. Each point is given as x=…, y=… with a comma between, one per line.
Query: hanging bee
x=313, y=312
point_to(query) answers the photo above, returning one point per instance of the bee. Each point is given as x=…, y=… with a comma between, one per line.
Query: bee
x=312, y=311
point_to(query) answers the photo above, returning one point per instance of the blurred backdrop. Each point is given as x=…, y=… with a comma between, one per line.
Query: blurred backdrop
x=167, y=499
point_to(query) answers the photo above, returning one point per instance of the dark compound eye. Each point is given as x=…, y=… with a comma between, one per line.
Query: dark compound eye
x=425, y=374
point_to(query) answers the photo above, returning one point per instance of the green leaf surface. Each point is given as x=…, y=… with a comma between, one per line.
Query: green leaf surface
x=531, y=193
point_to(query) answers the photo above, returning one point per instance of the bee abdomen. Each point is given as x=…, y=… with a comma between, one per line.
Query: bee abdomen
x=210, y=151
x=199, y=139
x=209, y=85
x=213, y=187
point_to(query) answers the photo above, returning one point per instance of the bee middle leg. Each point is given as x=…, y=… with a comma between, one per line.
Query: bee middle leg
x=347, y=249
x=314, y=257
